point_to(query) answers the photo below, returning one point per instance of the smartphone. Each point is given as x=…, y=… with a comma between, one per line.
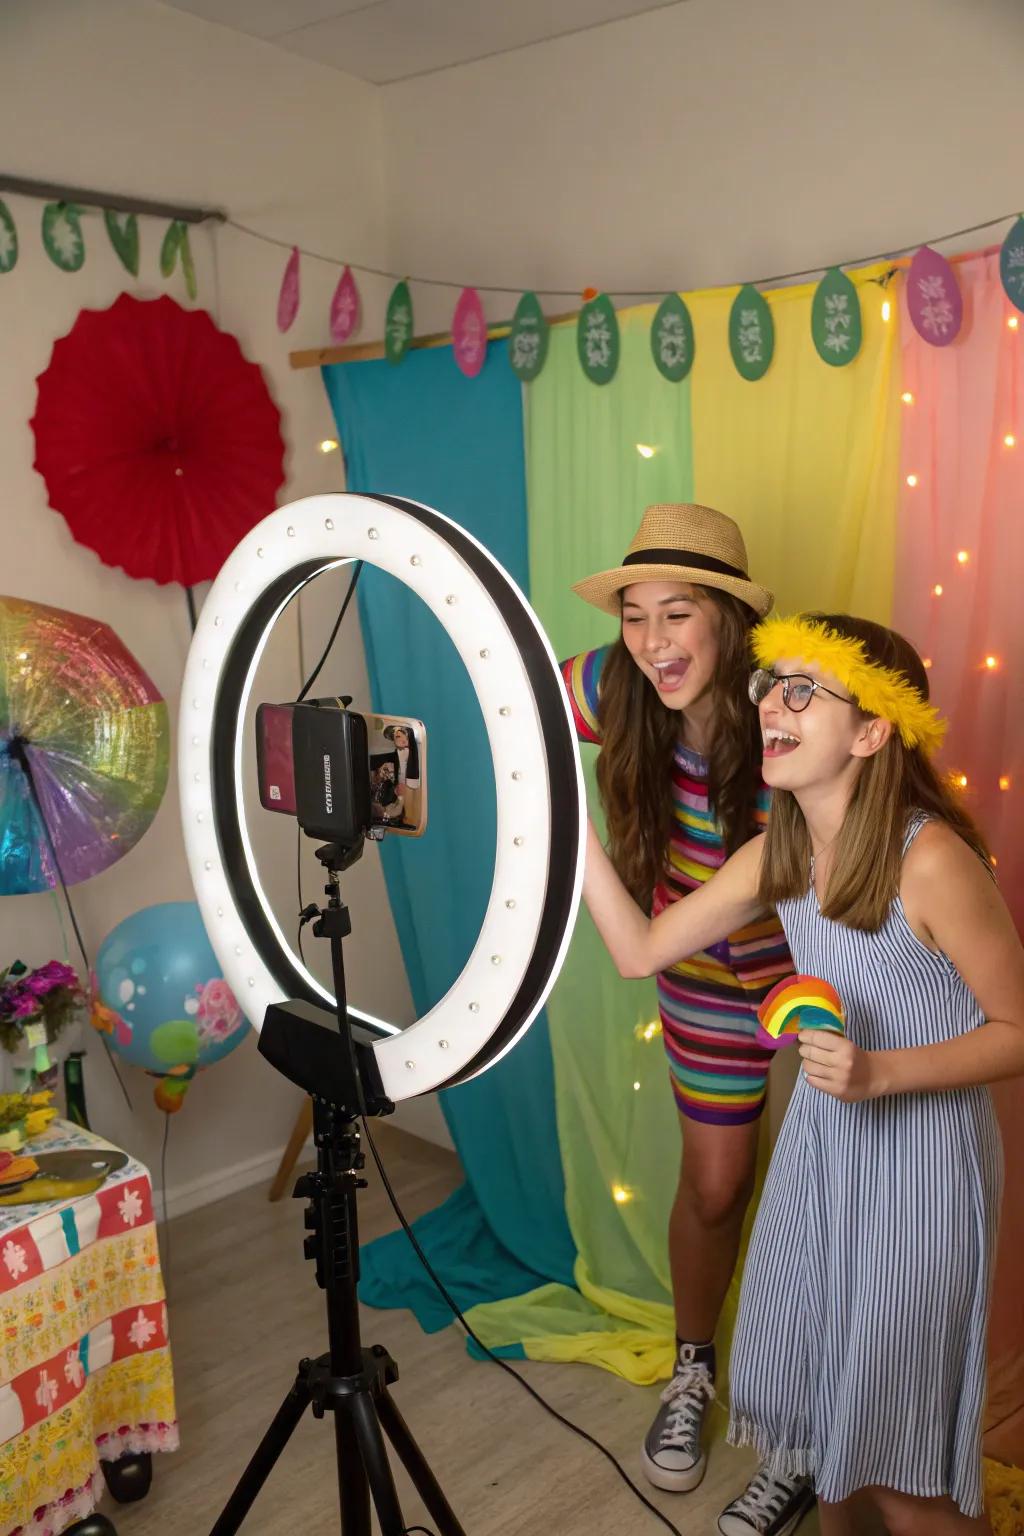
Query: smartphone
x=388, y=775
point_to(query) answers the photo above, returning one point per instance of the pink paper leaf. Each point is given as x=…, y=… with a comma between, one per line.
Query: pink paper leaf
x=345, y=314
x=288, y=298
x=933, y=298
x=469, y=333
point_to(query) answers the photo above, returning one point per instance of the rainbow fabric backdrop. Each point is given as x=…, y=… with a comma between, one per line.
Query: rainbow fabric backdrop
x=799, y=1002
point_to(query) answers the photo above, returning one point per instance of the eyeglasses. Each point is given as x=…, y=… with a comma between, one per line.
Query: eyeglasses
x=797, y=689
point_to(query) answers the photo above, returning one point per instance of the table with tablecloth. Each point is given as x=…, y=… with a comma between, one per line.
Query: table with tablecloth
x=85, y=1366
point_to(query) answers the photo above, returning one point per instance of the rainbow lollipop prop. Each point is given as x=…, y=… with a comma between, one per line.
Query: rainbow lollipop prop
x=799, y=1002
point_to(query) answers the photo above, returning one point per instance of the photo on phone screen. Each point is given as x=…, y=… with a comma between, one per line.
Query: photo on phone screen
x=398, y=773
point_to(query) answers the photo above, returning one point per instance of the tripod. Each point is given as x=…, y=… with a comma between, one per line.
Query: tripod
x=349, y=1381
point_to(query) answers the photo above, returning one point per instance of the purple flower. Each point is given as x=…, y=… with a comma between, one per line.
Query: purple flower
x=25, y=1006
x=52, y=974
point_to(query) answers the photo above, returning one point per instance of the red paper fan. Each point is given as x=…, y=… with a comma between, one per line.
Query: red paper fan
x=159, y=443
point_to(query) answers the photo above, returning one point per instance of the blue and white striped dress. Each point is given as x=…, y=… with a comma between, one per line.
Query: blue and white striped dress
x=859, y=1353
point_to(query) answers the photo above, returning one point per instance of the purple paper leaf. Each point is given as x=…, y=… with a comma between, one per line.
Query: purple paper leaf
x=469, y=333
x=345, y=315
x=933, y=298
x=288, y=298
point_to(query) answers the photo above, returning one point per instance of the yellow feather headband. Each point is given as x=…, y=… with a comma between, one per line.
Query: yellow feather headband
x=878, y=690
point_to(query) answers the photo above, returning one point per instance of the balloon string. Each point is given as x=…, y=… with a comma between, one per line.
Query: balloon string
x=21, y=758
x=190, y=599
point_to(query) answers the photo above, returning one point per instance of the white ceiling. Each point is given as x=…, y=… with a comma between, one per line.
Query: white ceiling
x=387, y=40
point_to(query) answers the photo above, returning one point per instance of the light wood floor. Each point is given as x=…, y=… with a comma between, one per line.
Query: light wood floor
x=244, y=1308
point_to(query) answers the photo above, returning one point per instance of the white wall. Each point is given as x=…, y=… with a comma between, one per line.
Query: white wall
x=715, y=140
x=131, y=96
x=709, y=142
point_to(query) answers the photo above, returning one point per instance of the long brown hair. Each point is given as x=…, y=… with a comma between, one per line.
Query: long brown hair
x=639, y=734
x=891, y=785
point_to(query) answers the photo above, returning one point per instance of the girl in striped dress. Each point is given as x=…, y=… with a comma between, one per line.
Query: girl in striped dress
x=679, y=773
x=859, y=1355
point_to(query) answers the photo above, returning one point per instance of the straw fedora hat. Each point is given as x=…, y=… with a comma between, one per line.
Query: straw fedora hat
x=676, y=541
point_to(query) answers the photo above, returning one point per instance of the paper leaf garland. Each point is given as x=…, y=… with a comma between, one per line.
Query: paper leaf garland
x=62, y=236
x=1011, y=264
x=528, y=339
x=169, y=247
x=123, y=229
x=672, y=344
x=8, y=240
x=751, y=333
x=345, y=308
x=398, y=325
x=469, y=333
x=597, y=339
x=187, y=264
x=835, y=319
x=933, y=298
x=288, y=298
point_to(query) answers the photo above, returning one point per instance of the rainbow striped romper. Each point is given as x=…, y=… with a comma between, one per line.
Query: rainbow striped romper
x=708, y=1003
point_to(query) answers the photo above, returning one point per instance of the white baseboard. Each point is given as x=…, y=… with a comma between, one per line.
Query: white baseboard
x=419, y=1117
x=217, y=1185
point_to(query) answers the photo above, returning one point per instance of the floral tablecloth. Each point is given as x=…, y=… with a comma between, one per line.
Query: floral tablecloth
x=85, y=1367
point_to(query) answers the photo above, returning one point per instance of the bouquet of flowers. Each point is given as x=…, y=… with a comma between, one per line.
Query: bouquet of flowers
x=36, y=1005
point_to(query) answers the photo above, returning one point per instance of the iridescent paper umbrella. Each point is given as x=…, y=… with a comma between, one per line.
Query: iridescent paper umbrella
x=84, y=746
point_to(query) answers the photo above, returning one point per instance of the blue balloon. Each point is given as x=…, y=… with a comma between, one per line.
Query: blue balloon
x=159, y=994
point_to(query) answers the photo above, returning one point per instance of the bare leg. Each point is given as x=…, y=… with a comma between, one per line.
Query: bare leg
x=856, y=1516
x=905, y=1515
x=715, y=1185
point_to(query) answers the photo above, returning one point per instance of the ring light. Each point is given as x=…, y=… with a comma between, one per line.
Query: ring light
x=541, y=804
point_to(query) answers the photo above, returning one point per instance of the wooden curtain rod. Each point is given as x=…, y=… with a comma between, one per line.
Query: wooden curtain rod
x=364, y=351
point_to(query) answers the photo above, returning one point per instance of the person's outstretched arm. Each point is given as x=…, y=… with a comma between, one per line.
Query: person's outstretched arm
x=642, y=946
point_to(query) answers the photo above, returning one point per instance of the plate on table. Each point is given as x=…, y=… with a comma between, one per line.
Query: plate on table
x=64, y=1175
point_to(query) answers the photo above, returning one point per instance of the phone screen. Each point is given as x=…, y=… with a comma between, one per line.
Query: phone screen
x=398, y=773
x=274, y=763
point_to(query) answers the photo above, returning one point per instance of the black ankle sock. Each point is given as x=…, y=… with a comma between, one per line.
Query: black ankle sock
x=703, y=1354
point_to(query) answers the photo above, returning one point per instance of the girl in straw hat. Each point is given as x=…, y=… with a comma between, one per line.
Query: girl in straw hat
x=680, y=779
x=859, y=1355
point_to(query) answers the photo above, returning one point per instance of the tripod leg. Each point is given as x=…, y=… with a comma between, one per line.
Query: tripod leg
x=263, y=1460
x=353, y=1489
x=375, y=1460
x=414, y=1462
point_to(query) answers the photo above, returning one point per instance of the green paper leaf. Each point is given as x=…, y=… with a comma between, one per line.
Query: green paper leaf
x=62, y=236
x=123, y=229
x=169, y=248
x=1011, y=264
x=751, y=333
x=672, y=343
x=597, y=339
x=398, y=325
x=528, y=339
x=187, y=264
x=835, y=319
x=8, y=240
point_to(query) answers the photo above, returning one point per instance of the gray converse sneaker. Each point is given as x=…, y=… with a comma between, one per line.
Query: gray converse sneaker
x=770, y=1506
x=673, y=1457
